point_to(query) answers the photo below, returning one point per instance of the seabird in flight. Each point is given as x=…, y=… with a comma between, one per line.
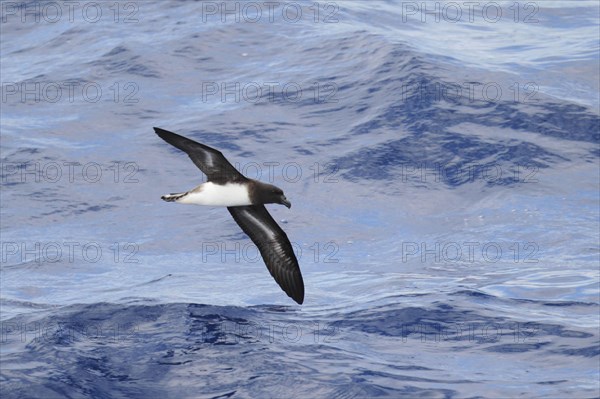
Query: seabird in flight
x=245, y=199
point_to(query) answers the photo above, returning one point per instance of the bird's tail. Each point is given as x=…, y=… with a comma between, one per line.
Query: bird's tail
x=173, y=197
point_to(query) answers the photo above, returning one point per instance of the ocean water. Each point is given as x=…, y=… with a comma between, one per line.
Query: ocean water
x=442, y=159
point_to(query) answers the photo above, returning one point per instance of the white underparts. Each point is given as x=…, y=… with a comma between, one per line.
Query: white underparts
x=230, y=194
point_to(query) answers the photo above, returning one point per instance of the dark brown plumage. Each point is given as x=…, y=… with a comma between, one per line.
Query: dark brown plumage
x=255, y=221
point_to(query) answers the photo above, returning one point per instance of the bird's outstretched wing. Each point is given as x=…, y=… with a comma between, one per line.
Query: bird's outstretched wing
x=274, y=247
x=210, y=161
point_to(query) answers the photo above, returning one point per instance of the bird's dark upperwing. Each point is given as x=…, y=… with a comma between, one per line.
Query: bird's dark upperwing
x=210, y=161
x=274, y=247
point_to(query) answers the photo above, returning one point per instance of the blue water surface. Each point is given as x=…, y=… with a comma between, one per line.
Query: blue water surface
x=442, y=159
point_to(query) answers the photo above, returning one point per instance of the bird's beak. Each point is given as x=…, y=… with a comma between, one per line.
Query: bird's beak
x=285, y=202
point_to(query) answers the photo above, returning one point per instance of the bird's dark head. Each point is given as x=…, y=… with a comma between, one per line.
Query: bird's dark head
x=275, y=195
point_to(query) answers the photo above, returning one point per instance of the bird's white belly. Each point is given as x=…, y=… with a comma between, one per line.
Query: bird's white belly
x=230, y=194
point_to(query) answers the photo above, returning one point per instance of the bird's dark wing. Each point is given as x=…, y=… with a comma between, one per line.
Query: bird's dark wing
x=210, y=161
x=274, y=247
